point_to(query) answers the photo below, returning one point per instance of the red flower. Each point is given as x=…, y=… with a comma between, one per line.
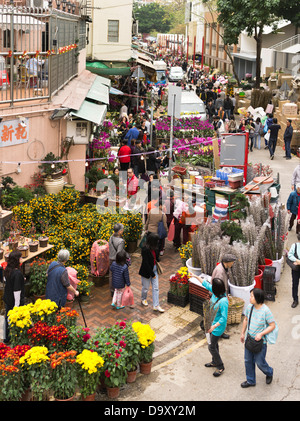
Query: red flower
x=107, y=373
x=122, y=344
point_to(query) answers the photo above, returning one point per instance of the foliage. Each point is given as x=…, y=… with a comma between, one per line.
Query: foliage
x=232, y=230
x=94, y=175
x=38, y=276
x=50, y=164
x=12, y=379
x=15, y=195
x=64, y=380
x=186, y=250
x=153, y=17
x=179, y=283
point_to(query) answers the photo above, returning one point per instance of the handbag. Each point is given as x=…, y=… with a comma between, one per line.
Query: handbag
x=251, y=344
x=159, y=268
x=143, y=241
x=291, y=263
x=161, y=231
x=171, y=232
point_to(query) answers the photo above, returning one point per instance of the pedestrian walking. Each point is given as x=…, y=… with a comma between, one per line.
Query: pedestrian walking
x=294, y=256
x=148, y=271
x=292, y=206
x=219, y=304
x=273, y=130
x=155, y=217
x=287, y=137
x=295, y=177
x=258, y=132
x=116, y=244
x=120, y=278
x=258, y=323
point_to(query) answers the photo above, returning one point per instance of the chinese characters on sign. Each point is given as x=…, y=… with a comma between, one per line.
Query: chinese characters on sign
x=14, y=132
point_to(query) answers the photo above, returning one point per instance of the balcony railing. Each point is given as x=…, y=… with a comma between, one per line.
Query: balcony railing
x=38, y=53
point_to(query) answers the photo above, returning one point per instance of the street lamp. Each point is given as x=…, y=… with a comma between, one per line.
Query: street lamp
x=64, y=2
x=73, y=8
x=58, y=4
x=69, y=6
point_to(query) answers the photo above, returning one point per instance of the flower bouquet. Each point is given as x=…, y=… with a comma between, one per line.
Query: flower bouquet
x=36, y=365
x=64, y=380
x=88, y=365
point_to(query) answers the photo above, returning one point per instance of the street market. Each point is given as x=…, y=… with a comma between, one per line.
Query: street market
x=171, y=197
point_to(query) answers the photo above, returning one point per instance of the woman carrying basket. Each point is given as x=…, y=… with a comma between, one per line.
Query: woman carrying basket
x=218, y=311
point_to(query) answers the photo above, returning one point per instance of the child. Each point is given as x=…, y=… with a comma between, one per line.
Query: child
x=120, y=278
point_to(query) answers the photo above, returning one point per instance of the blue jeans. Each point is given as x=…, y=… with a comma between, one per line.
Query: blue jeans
x=145, y=288
x=260, y=360
x=257, y=140
x=287, y=145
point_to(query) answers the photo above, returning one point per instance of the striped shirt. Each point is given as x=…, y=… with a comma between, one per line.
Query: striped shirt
x=260, y=319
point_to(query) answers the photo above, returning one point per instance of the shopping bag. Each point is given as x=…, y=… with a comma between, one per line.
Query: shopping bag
x=143, y=241
x=127, y=297
x=267, y=136
x=171, y=232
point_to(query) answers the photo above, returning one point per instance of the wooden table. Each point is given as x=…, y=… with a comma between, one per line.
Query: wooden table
x=31, y=255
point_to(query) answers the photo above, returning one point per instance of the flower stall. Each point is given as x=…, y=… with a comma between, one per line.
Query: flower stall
x=52, y=358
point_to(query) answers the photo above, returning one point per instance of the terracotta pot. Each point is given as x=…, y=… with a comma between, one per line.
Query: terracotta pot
x=131, y=246
x=36, y=297
x=131, y=376
x=26, y=395
x=145, y=368
x=65, y=400
x=88, y=398
x=113, y=392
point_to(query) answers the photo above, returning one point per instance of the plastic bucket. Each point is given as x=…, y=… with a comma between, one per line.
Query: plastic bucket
x=277, y=264
x=195, y=271
x=242, y=292
x=268, y=262
x=258, y=279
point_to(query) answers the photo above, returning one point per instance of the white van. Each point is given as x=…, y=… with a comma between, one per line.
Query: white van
x=176, y=74
x=192, y=106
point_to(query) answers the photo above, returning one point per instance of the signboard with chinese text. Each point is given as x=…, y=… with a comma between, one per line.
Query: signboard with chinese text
x=14, y=132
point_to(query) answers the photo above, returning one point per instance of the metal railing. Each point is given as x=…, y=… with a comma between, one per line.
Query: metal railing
x=286, y=43
x=38, y=52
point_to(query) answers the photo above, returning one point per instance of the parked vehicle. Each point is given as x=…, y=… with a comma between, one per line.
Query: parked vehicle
x=192, y=106
x=176, y=74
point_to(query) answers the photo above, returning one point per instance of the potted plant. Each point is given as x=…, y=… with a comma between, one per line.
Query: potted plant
x=130, y=342
x=84, y=287
x=146, y=338
x=38, y=277
x=63, y=370
x=12, y=377
x=36, y=364
x=44, y=310
x=179, y=288
x=186, y=251
x=43, y=238
x=115, y=371
x=19, y=322
x=33, y=243
x=88, y=366
x=53, y=171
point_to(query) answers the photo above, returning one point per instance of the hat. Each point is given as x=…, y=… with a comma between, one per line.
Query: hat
x=228, y=258
x=298, y=186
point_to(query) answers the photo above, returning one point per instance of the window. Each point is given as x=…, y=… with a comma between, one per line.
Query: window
x=6, y=38
x=81, y=129
x=113, y=31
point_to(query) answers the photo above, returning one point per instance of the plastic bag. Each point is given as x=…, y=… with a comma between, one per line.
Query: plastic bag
x=127, y=297
x=99, y=258
x=72, y=273
x=171, y=231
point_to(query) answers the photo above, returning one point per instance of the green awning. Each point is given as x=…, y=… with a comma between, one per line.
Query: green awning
x=103, y=70
x=99, y=91
x=91, y=112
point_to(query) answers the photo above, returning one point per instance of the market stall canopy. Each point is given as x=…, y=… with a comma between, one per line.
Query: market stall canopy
x=99, y=91
x=102, y=69
x=91, y=111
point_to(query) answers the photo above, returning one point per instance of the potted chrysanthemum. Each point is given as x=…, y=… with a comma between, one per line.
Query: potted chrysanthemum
x=146, y=337
x=63, y=371
x=88, y=364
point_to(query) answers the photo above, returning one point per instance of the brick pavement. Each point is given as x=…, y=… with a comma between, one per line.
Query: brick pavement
x=173, y=326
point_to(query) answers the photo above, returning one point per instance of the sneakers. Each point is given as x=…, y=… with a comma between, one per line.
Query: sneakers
x=145, y=303
x=158, y=308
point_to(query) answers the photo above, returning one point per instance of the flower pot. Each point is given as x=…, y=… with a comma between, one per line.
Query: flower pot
x=258, y=279
x=26, y=396
x=241, y=292
x=54, y=186
x=84, y=298
x=37, y=297
x=131, y=246
x=178, y=300
x=88, y=398
x=195, y=271
x=43, y=241
x=33, y=246
x=145, y=368
x=113, y=392
x=13, y=245
x=131, y=376
x=278, y=265
x=65, y=400
x=24, y=250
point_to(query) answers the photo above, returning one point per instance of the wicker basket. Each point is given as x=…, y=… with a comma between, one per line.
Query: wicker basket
x=235, y=310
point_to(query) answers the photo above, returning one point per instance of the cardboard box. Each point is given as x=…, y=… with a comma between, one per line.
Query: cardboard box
x=290, y=109
x=286, y=78
x=281, y=103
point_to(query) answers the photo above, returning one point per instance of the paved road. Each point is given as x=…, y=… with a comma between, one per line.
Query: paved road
x=182, y=377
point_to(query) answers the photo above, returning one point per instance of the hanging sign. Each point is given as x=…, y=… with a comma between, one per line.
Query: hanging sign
x=14, y=132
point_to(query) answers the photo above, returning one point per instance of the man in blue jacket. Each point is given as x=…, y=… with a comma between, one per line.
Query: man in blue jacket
x=287, y=137
x=133, y=133
x=292, y=207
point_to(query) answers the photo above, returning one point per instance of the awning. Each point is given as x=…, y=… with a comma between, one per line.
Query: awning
x=115, y=91
x=101, y=69
x=91, y=112
x=293, y=49
x=99, y=91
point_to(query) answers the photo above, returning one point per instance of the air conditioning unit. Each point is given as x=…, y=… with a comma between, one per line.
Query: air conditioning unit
x=41, y=4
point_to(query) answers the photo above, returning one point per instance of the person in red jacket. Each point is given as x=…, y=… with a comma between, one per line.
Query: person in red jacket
x=124, y=153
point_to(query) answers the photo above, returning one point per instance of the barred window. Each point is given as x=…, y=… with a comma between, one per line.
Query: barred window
x=113, y=31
